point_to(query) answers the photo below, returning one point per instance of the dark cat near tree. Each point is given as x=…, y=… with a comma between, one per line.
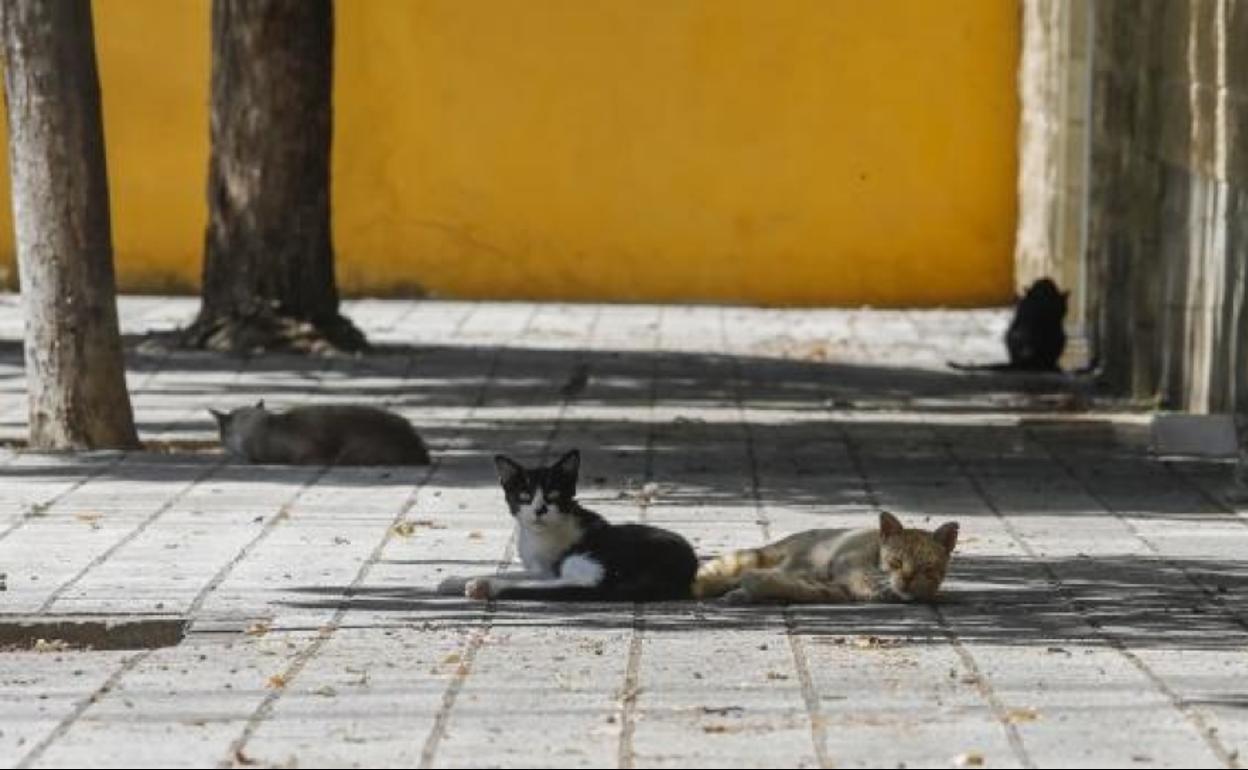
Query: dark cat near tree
x=1036, y=338
x=320, y=435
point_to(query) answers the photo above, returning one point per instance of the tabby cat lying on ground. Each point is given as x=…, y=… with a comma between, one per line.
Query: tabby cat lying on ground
x=888, y=563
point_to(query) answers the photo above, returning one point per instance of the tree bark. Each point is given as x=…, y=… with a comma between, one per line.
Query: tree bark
x=75, y=370
x=268, y=280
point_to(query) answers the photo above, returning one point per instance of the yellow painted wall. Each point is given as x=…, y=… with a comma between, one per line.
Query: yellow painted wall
x=153, y=61
x=774, y=151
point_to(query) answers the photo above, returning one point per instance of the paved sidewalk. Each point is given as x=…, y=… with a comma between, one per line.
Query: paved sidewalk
x=1095, y=612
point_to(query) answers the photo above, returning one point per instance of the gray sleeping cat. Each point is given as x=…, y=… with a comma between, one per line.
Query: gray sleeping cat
x=320, y=435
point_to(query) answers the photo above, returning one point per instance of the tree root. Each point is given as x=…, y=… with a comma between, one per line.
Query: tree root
x=269, y=331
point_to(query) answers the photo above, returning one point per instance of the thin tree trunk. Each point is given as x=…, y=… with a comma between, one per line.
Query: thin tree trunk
x=74, y=366
x=268, y=280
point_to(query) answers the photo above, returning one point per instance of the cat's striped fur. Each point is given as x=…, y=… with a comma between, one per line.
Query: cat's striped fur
x=888, y=563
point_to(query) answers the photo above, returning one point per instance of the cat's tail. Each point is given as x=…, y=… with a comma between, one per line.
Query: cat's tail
x=554, y=593
x=722, y=574
x=1003, y=367
x=646, y=591
x=980, y=367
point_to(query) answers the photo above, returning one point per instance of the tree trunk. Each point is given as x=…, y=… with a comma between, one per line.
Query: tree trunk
x=74, y=366
x=268, y=279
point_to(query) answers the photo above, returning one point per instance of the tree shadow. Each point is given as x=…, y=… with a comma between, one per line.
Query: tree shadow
x=808, y=431
x=800, y=410
x=533, y=374
x=809, y=466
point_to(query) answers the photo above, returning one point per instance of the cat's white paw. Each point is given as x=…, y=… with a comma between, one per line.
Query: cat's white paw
x=478, y=588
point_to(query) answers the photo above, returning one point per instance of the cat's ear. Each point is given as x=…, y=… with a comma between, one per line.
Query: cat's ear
x=509, y=471
x=947, y=535
x=565, y=471
x=221, y=417
x=889, y=525
x=568, y=466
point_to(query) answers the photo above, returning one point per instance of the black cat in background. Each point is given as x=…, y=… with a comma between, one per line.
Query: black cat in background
x=1035, y=339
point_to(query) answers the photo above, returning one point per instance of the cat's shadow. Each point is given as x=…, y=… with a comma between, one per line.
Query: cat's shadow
x=1134, y=601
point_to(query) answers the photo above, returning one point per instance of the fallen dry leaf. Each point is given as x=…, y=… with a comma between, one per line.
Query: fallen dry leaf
x=969, y=759
x=89, y=517
x=257, y=629
x=277, y=681
x=475, y=535
x=405, y=528
x=1014, y=716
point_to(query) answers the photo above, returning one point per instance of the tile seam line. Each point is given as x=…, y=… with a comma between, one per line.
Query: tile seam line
x=326, y=631
x=1214, y=502
x=626, y=754
x=1195, y=720
x=284, y=508
x=270, y=525
x=304, y=656
x=797, y=650
x=81, y=707
x=1209, y=594
x=37, y=509
x=207, y=473
x=68, y=722
x=283, y=512
x=301, y=659
x=986, y=692
x=450, y=695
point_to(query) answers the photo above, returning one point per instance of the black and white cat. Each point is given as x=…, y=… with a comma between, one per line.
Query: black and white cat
x=572, y=554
